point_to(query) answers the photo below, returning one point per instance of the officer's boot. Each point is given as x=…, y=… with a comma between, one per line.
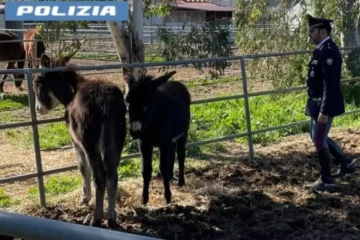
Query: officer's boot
x=347, y=165
x=334, y=151
x=326, y=182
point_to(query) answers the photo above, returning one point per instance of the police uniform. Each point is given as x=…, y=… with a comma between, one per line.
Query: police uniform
x=325, y=96
x=323, y=82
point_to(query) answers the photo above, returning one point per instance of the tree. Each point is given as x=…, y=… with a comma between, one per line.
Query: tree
x=129, y=41
x=53, y=31
x=284, y=28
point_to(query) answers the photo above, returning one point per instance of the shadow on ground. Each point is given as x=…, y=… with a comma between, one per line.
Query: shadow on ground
x=239, y=200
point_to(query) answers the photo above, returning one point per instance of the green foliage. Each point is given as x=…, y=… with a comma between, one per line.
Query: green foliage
x=158, y=8
x=263, y=29
x=53, y=31
x=208, y=41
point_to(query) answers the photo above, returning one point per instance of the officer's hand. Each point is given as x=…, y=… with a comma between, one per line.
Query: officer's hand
x=322, y=119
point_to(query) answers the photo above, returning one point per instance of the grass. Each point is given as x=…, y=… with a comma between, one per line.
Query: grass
x=12, y=102
x=6, y=200
x=218, y=119
x=58, y=185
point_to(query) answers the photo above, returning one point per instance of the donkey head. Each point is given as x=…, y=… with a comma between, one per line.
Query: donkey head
x=43, y=86
x=140, y=100
x=47, y=62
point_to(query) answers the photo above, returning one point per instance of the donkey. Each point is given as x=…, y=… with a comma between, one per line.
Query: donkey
x=58, y=61
x=159, y=113
x=33, y=34
x=14, y=53
x=95, y=116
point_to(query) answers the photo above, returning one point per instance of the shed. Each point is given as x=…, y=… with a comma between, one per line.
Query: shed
x=13, y=26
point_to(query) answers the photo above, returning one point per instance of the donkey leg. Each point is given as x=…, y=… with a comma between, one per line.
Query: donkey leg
x=181, y=160
x=20, y=65
x=111, y=161
x=94, y=158
x=8, y=66
x=146, y=150
x=167, y=157
x=85, y=173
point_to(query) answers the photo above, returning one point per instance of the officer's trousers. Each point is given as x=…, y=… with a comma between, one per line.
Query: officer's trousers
x=319, y=136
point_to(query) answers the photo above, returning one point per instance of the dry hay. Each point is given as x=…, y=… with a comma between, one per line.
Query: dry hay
x=226, y=197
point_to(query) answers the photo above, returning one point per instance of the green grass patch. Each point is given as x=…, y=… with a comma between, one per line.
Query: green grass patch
x=57, y=185
x=131, y=168
x=12, y=102
x=6, y=200
x=52, y=135
x=9, y=105
x=218, y=119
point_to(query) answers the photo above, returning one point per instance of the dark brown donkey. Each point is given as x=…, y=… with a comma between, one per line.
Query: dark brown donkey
x=33, y=34
x=95, y=116
x=13, y=52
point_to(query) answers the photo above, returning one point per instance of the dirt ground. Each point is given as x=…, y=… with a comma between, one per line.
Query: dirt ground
x=226, y=197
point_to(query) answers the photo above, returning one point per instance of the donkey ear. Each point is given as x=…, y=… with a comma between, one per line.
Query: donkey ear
x=69, y=56
x=45, y=60
x=156, y=82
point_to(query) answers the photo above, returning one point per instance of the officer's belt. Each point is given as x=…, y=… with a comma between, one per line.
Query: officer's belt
x=316, y=99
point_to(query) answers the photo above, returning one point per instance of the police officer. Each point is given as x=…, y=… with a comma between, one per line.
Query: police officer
x=325, y=101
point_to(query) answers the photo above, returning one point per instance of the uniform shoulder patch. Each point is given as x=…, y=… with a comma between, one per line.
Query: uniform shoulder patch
x=329, y=61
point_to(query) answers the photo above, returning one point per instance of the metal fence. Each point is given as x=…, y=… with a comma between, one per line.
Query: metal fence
x=36, y=228
x=249, y=133
x=100, y=43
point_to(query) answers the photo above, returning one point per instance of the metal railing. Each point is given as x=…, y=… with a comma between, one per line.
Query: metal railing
x=249, y=133
x=36, y=228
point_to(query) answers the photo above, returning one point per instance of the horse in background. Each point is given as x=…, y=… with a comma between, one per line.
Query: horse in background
x=29, y=46
x=13, y=53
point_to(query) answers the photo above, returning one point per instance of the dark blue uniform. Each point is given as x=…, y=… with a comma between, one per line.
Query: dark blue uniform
x=324, y=90
x=325, y=97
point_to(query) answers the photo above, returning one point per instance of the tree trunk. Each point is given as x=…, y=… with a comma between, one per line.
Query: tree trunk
x=350, y=37
x=129, y=42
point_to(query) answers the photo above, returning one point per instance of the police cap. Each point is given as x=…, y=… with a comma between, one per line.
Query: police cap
x=319, y=22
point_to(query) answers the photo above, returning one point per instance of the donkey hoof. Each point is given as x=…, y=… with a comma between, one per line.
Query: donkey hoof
x=168, y=198
x=84, y=201
x=144, y=200
x=111, y=223
x=95, y=223
x=181, y=182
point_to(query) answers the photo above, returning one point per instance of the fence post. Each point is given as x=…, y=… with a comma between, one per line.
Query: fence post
x=29, y=78
x=247, y=109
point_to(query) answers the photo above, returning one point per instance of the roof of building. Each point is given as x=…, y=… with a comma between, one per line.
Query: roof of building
x=205, y=6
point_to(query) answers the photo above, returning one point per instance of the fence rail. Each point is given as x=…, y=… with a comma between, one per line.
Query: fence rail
x=36, y=228
x=249, y=133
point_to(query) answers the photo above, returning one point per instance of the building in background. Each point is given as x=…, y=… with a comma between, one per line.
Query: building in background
x=195, y=12
x=13, y=26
